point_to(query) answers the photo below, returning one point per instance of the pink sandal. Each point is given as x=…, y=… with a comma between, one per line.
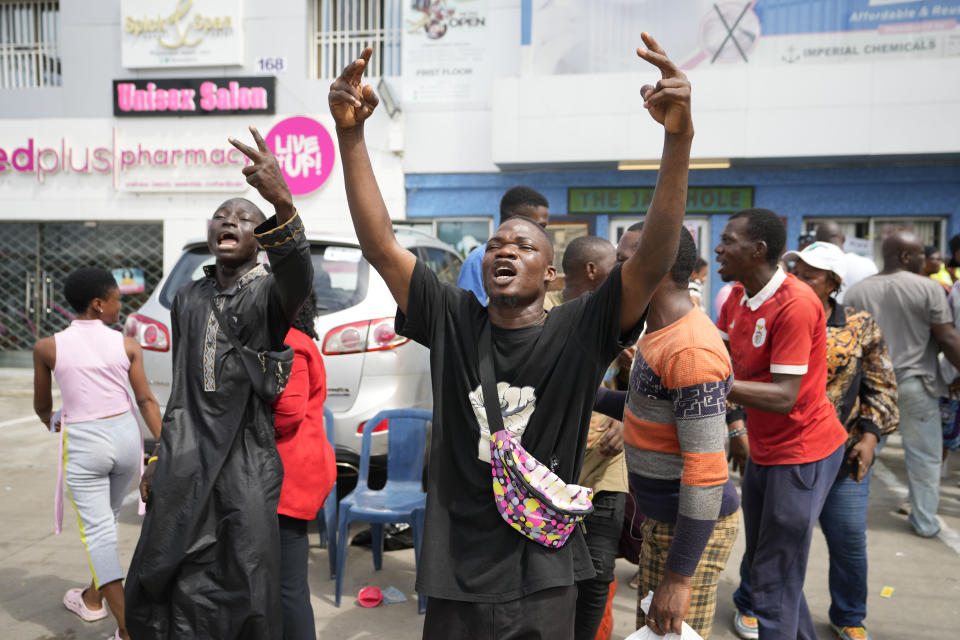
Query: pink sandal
x=73, y=600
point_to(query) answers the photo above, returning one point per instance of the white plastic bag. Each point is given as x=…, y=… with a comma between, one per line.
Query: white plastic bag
x=646, y=633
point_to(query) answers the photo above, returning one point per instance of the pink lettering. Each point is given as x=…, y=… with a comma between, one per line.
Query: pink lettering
x=125, y=96
x=22, y=158
x=174, y=155
x=143, y=153
x=127, y=159
x=217, y=157
x=239, y=158
x=86, y=161
x=140, y=100
x=258, y=98
x=41, y=169
x=208, y=96
x=104, y=155
x=186, y=100
x=3, y=160
x=160, y=101
x=160, y=157
x=223, y=99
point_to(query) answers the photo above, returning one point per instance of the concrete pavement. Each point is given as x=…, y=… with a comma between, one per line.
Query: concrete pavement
x=37, y=567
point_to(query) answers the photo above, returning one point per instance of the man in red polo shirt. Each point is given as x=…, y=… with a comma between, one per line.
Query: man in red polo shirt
x=775, y=329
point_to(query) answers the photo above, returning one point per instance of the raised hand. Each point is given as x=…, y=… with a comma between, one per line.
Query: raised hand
x=265, y=175
x=669, y=101
x=350, y=101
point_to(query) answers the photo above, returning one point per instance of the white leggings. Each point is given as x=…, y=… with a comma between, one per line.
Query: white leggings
x=101, y=457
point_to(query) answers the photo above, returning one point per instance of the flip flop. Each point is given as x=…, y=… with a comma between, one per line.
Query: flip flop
x=370, y=596
x=73, y=600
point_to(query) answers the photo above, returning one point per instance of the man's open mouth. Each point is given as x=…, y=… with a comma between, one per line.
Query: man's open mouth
x=503, y=272
x=227, y=239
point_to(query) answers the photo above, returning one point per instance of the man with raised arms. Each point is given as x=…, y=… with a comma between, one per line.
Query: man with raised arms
x=208, y=561
x=482, y=578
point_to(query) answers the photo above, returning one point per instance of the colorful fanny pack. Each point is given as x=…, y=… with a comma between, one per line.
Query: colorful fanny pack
x=530, y=497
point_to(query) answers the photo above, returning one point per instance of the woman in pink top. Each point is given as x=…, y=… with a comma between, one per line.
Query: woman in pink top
x=101, y=441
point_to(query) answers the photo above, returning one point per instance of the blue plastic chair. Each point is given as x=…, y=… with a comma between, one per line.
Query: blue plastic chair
x=402, y=498
x=327, y=516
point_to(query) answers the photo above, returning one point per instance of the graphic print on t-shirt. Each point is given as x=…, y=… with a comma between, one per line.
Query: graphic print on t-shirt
x=516, y=406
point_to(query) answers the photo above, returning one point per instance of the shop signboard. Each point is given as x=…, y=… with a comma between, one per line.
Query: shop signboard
x=180, y=33
x=304, y=149
x=141, y=156
x=445, y=51
x=194, y=96
x=703, y=200
x=590, y=36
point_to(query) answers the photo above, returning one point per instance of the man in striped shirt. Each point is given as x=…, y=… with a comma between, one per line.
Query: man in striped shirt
x=674, y=432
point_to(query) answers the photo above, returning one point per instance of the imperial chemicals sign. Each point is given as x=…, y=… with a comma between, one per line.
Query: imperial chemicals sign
x=140, y=156
x=194, y=96
x=180, y=33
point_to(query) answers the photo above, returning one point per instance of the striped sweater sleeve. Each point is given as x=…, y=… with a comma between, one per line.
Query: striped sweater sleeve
x=698, y=381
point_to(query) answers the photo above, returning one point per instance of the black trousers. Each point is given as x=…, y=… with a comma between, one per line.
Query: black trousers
x=298, y=623
x=603, y=538
x=543, y=615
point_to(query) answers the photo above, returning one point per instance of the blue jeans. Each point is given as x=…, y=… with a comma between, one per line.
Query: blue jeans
x=844, y=525
x=922, y=446
x=780, y=505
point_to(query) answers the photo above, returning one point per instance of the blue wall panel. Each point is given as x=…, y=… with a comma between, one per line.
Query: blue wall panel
x=793, y=193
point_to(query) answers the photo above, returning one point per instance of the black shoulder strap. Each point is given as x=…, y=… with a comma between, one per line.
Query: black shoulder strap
x=488, y=380
x=227, y=330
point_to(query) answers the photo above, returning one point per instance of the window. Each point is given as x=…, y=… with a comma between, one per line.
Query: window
x=343, y=28
x=29, y=44
x=340, y=275
x=864, y=235
x=445, y=264
x=463, y=234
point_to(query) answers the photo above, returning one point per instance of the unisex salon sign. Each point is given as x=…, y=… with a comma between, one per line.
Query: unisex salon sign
x=194, y=96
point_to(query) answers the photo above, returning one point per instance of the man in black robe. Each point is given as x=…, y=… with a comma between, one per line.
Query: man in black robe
x=207, y=563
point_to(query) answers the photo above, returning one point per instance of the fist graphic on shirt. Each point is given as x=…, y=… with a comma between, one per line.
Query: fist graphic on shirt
x=516, y=406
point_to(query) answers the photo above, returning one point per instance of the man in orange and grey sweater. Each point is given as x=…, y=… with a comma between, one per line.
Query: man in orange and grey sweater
x=674, y=432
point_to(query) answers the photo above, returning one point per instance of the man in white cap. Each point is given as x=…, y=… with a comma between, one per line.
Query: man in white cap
x=863, y=389
x=856, y=267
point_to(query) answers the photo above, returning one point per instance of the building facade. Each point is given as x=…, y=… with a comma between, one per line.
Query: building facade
x=811, y=108
x=114, y=117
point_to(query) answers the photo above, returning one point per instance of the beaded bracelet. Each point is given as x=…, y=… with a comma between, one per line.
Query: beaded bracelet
x=736, y=433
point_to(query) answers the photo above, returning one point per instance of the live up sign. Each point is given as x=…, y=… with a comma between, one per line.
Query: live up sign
x=194, y=96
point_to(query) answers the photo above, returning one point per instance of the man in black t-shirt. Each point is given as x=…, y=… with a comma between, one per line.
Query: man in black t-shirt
x=483, y=579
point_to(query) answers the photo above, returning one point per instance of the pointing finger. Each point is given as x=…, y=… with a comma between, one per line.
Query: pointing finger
x=259, y=140
x=360, y=65
x=659, y=60
x=253, y=154
x=652, y=43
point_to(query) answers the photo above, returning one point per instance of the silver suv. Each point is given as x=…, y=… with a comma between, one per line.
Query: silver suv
x=369, y=367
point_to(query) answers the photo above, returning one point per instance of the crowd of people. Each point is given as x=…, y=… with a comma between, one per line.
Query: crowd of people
x=616, y=384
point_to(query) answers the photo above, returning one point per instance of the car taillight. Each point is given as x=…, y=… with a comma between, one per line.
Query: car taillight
x=366, y=335
x=377, y=429
x=149, y=333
